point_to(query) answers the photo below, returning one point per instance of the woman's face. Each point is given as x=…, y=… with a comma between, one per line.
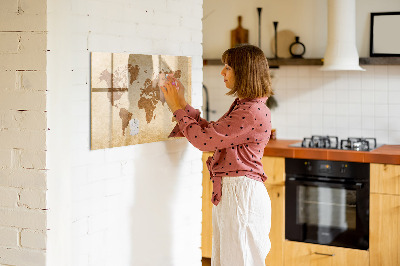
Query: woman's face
x=229, y=76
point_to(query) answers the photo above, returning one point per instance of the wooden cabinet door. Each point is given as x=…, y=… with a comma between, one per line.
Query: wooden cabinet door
x=277, y=233
x=274, y=168
x=304, y=254
x=385, y=178
x=384, y=236
x=206, y=226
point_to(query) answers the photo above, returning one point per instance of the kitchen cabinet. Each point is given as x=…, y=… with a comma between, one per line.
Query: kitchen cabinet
x=206, y=225
x=305, y=254
x=385, y=178
x=385, y=215
x=274, y=168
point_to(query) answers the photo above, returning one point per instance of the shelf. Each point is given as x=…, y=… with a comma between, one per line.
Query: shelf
x=274, y=63
x=380, y=61
x=294, y=62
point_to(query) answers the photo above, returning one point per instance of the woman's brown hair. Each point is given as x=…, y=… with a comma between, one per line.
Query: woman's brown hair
x=250, y=66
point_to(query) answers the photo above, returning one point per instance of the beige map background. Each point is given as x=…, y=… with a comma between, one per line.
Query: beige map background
x=127, y=104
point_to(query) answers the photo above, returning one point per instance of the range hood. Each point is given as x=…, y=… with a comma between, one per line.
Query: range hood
x=341, y=51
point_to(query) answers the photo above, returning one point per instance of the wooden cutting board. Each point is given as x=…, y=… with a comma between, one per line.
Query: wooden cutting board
x=239, y=35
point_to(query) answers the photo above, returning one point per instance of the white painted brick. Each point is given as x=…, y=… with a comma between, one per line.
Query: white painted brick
x=23, y=22
x=98, y=172
x=8, y=6
x=23, y=100
x=36, y=7
x=33, y=199
x=98, y=222
x=191, y=23
x=8, y=197
x=33, y=239
x=30, y=80
x=5, y=158
x=8, y=80
x=192, y=48
x=33, y=159
x=23, y=61
x=14, y=139
x=8, y=237
x=114, y=186
x=34, y=120
x=23, y=178
x=17, y=256
x=9, y=42
x=20, y=217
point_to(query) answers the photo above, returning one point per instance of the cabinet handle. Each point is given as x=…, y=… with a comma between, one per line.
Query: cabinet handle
x=324, y=254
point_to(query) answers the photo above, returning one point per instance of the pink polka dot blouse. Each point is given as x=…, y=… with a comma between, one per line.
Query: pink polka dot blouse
x=238, y=139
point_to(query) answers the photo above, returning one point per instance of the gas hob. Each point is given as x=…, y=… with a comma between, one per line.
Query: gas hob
x=332, y=142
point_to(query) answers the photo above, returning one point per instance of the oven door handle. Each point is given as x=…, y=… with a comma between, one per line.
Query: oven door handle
x=357, y=185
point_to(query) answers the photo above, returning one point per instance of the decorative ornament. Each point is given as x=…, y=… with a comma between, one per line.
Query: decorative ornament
x=276, y=39
x=297, y=49
x=259, y=9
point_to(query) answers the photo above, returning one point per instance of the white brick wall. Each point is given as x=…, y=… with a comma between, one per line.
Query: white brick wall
x=135, y=205
x=23, y=132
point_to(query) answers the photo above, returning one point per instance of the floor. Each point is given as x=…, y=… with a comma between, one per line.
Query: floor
x=206, y=261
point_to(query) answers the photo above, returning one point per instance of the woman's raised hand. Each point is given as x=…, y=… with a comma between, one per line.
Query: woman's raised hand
x=173, y=95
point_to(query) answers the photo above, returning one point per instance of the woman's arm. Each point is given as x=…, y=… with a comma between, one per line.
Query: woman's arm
x=174, y=93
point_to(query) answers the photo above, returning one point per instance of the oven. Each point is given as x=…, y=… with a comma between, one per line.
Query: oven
x=327, y=202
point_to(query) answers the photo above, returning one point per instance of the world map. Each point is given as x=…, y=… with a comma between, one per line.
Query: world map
x=127, y=104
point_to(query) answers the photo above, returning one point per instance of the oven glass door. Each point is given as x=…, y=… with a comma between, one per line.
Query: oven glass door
x=326, y=213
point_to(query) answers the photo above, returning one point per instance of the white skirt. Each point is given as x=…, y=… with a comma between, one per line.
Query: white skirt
x=241, y=223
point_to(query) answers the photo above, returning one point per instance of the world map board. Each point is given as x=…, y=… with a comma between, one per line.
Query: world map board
x=127, y=104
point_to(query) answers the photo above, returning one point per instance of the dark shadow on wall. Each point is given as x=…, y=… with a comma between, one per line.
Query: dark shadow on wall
x=156, y=177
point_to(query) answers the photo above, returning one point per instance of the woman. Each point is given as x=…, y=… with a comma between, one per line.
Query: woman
x=242, y=212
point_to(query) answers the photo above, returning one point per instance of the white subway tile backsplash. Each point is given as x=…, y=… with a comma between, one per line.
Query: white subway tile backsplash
x=394, y=97
x=394, y=123
x=367, y=133
x=380, y=71
x=381, y=123
x=342, y=122
x=367, y=123
x=304, y=72
x=394, y=110
x=394, y=137
x=367, y=96
x=367, y=110
x=355, y=132
x=393, y=71
x=291, y=71
x=342, y=96
x=381, y=136
x=367, y=83
x=355, y=96
x=381, y=110
x=381, y=84
x=394, y=83
x=304, y=82
x=329, y=109
x=292, y=82
x=381, y=97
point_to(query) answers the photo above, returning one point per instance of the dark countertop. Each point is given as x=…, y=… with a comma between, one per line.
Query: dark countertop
x=389, y=154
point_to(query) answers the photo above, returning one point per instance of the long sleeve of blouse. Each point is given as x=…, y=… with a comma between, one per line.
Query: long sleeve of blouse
x=193, y=113
x=230, y=131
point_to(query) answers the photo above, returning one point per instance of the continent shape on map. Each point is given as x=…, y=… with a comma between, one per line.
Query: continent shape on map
x=125, y=116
